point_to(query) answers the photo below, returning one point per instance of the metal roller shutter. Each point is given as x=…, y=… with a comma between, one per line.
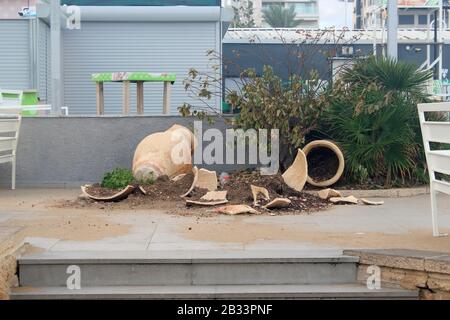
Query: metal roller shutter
x=43, y=61
x=133, y=46
x=14, y=54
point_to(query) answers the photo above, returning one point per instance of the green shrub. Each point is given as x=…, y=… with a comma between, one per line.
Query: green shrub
x=267, y=102
x=373, y=115
x=117, y=179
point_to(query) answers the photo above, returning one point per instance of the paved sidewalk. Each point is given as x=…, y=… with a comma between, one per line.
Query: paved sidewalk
x=399, y=223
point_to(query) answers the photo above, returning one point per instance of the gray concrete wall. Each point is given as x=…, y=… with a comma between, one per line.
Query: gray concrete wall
x=70, y=151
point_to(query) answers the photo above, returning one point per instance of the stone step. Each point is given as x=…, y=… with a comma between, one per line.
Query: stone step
x=155, y=268
x=329, y=291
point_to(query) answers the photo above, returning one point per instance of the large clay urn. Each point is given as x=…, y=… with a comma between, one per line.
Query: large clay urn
x=164, y=153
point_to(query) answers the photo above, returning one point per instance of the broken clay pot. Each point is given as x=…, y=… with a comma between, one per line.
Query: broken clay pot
x=326, y=194
x=120, y=195
x=295, y=176
x=205, y=203
x=164, y=153
x=236, y=209
x=340, y=156
x=278, y=203
x=188, y=192
x=349, y=200
x=215, y=196
x=256, y=191
x=206, y=180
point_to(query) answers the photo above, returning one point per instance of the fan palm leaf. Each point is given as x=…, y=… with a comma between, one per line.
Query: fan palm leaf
x=278, y=16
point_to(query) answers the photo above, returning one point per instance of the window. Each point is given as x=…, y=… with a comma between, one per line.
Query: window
x=422, y=19
x=305, y=8
x=406, y=19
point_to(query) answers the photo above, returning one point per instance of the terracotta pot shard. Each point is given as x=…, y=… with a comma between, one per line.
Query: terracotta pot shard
x=326, y=194
x=278, y=203
x=206, y=180
x=236, y=209
x=256, y=191
x=205, y=203
x=195, y=172
x=215, y=196
x=120, y=195
x=295, y=176
x=349, y=200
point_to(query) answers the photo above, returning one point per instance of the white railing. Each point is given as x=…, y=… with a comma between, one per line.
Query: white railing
x=9, y=135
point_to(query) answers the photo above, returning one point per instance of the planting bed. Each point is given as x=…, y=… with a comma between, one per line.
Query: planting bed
x=166, y=194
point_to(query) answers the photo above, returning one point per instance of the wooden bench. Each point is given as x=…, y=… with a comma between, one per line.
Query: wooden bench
x=133, y=77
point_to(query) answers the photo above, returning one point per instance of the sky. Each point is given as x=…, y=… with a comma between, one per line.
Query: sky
x=332, y=13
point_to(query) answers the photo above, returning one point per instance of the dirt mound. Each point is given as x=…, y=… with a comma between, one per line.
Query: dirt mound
x=238, y=187
x=165, y=189
x=239, y=192
x=165, y=194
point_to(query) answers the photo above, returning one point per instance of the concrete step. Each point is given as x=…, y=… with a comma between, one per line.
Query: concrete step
x=153, y=268
x=330, y=291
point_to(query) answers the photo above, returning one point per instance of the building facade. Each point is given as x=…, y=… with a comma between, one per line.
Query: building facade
x=126, y=37
x=307, y=10
x=419, y=14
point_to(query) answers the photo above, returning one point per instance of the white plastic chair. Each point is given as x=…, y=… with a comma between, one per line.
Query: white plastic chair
x=8, y=105
x=16, y=100
x=438, y=161
x=9, y=135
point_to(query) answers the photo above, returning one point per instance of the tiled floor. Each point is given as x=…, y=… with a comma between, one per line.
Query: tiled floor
x=399, y=223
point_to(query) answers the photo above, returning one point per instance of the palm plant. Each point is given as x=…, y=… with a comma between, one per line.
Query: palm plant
x=277, y=16
x=391, y=75
x=373, y=116
x=379, y=145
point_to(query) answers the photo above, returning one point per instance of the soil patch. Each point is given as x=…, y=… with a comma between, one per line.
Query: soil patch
x=76, y=226
x=322, y=164
x=239, y=192
x=97, y=190
x=164, y=194
x=165, y=189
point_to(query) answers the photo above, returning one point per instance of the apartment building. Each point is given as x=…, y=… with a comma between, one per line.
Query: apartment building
x=368, y=14
x=307, y=10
